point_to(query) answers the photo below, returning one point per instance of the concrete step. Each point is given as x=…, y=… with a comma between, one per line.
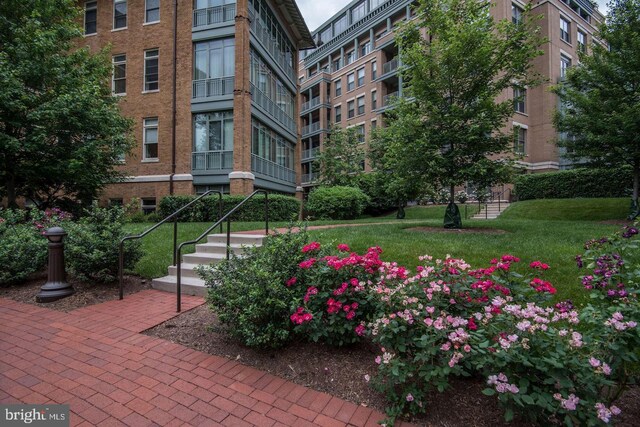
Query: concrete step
x=205, y=258
x=188, y=270
x=188, y=285
x=237, y=238
x=219, y=248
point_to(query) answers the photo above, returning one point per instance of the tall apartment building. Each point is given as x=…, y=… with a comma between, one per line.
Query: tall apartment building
x=212, y=88
x=352, y=75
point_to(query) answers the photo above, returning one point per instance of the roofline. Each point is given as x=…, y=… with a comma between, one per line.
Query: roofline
x=291, y=13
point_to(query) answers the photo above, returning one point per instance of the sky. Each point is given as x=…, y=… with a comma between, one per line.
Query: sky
x=315, y=12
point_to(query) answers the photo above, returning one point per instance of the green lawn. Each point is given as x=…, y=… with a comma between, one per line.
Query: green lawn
x=552, y=231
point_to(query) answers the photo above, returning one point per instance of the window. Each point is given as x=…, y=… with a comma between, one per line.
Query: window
x=360, y=133
x=213, y=132
x=151, y=11
x=350, y=57
x=325, y=36
x=148, y=205
x=351, y=110
x=350, y=82
x=360, y=105
x=337, y=64
x=119, y=14
x=365, y=49
x=521, y=140
x=360, y=77
x=520, y=100
x=340, y=25
x=150, y=139
x=116, y=202
x=565, y=30
x=358, y=12
x=374, y=124
x=338, y=84
x=151, y=70
x=374, y=70
x=374, y=100
x=516, y=14
x=119, y=81
x=565, y=63
x=214, y=59
x=338, y=113
x=90, y=17
x=582, y=42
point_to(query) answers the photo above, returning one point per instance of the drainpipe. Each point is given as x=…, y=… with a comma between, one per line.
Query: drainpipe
x=173, y=96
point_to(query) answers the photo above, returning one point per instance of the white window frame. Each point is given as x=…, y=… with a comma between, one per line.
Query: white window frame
x=364, y=104
x=335, y=115
x=126, y=15
x=563, y=71
x=94, y=7
x=145, y=127
x=338, y=85
x=113, y=74
x=517, y=127
x=522, y=102
x=565, y=35
x=144, y=76
x=358, y=71
x=351, y=102
x=374, y=100
x=154, y=206
x=374, y=70
x=353, y=76
x=146, y=10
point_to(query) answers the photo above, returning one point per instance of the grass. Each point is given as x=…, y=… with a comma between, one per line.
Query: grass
x=552, y=231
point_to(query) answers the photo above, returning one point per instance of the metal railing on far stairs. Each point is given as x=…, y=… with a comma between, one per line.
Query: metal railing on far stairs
x=174, y=217
x=227, y=218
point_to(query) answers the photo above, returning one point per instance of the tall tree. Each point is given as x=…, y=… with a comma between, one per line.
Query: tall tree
x=340, y=161
x=452, y=128
x=61, y=131
x=601, y=97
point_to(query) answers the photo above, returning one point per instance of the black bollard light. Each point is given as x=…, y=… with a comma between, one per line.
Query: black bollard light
x=56, y=287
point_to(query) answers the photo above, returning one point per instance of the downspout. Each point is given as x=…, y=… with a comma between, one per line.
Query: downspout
x=173, y=97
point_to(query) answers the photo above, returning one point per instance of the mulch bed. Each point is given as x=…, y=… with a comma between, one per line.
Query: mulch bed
x=85, y=293
x=469, y=230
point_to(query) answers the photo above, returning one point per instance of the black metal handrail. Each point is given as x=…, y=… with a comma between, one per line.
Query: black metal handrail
x=226, y=217
x=173, y=216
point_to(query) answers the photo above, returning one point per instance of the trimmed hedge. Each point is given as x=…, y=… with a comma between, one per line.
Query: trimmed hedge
x=574, y=183
x=281, y=208
x=336, y=203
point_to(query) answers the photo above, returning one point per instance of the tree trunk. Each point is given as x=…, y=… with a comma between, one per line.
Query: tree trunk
x=635, y=209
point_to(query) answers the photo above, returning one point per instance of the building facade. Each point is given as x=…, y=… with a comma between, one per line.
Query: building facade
x=352, y=75
x=211, y=86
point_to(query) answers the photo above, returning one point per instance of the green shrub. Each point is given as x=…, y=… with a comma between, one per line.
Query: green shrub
x=380, y=200
x=250, y=293
x=281, y=208
x=336, y=203
x=92, y=247
x=574, y=183
x=22, y=251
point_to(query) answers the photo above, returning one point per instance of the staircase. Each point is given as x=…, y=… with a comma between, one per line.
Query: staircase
x=208, y=253
x=492, y=210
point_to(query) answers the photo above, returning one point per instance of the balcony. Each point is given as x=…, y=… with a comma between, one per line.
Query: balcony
x=205, y=88
x=310, y=104
x=310, y=153
x=309, y=178
x=272, y=169
x=272, y=109
x=211, y=160
x=389, y=68
x=214, y=15
x=313, y=127
x=263, y=34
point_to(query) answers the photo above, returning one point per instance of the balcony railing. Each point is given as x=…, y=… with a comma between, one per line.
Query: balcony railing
x=264, y=35
x=310, y=104
x=310, y=153
x=211, y=160
x=272, y=169
x=214, y=15
x=272, y=108
x=205, y=88
x=313, y=127
x=308, y=178
x=390, y=67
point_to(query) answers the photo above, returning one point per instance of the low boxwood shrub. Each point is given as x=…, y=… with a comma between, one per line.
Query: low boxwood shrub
x=249, y=292
x=23, y=251
x=281, y=208
x=573, y=183
x=336, y=203
x=92, y=246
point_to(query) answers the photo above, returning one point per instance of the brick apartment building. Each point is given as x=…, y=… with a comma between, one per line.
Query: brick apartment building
x=349, y=79
x=212, y=89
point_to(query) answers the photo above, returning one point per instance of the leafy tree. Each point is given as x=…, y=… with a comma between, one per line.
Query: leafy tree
x=339, y=163
x=601, y=97
x=61, y=131
x=450, y=128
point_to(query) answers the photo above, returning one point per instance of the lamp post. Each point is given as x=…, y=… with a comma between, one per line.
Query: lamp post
x=56, y=287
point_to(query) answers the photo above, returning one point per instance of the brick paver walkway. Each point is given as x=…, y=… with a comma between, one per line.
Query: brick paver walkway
x=96, y=360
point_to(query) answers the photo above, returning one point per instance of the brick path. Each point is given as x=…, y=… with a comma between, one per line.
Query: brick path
x=96, y=360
